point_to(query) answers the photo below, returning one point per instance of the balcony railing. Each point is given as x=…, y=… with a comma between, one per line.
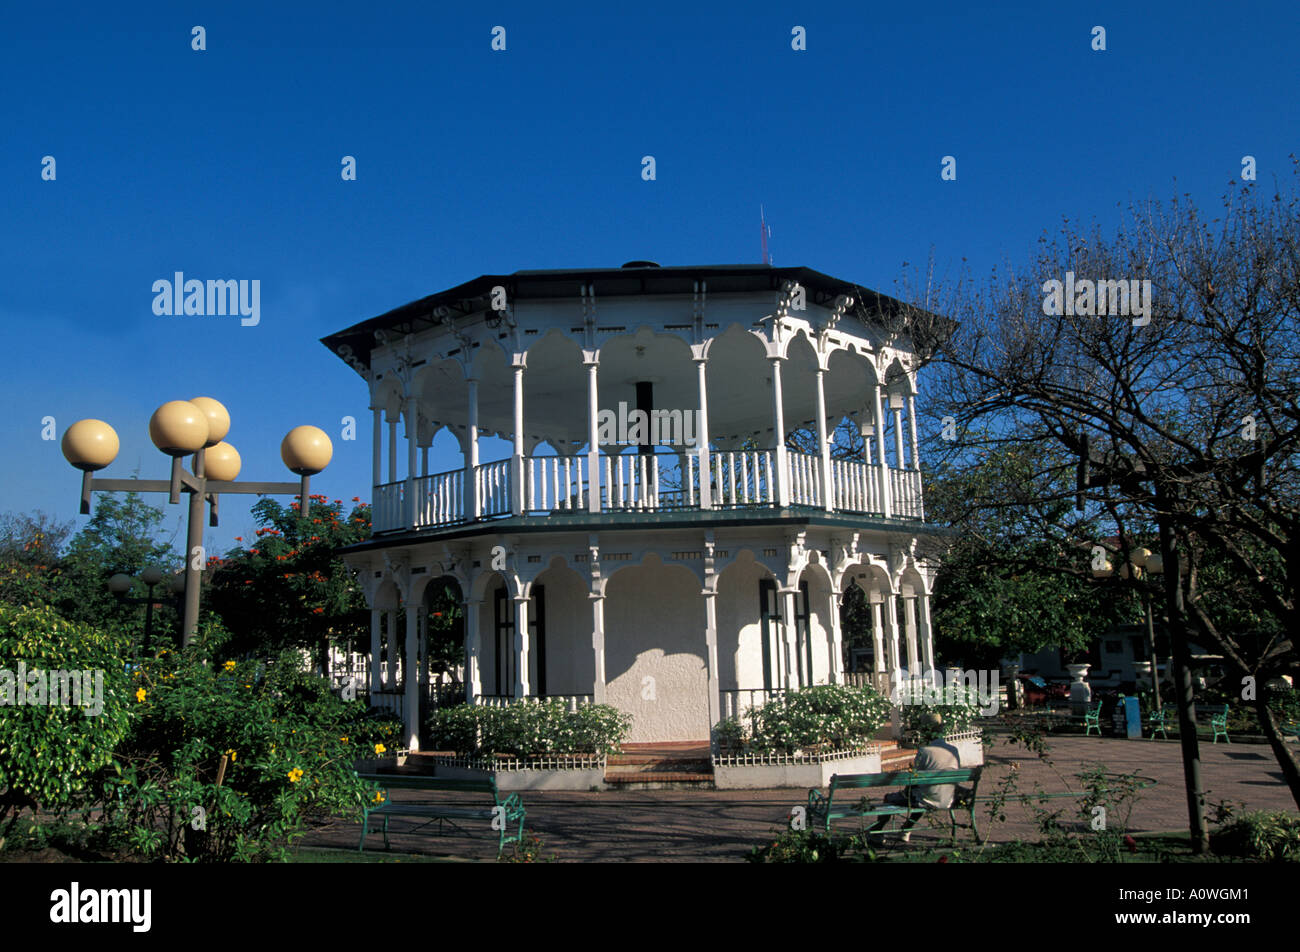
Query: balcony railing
x=644, y=482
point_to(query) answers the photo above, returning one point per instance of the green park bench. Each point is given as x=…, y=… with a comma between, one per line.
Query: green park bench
x=1156, y=723
x=822, y=810
x=1291, y=730
x=1218, y=719
x=1092, y=718
x=501, y=813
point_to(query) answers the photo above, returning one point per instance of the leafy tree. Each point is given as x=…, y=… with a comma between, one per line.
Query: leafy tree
x=288, y=589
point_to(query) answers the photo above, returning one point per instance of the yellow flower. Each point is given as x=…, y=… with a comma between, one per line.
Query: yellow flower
x=230, y=666
x=232, y=755
x=344, y=739
x=295, y=775
x=140, y=694
x=379, y=748
x=379, y=797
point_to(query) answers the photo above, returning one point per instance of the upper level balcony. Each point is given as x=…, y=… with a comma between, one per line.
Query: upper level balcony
x=760, y=370
x=645, y=482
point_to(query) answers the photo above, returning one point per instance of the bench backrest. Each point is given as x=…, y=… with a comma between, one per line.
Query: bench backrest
x=1214, y=710
x=419, y=782
x=904, y=778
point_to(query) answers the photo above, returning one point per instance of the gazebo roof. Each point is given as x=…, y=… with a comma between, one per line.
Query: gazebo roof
x=634, y=278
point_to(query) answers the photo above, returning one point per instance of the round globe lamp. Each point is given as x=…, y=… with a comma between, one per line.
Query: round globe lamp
x=221, y=462
x=218, y=419
x=177, y=583
x=306, y=450
x=152, y=575
x=90, y=445
x=179, y=428
x=119, y=584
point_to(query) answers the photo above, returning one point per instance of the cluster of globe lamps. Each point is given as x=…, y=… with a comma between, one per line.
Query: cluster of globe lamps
x=180, y=428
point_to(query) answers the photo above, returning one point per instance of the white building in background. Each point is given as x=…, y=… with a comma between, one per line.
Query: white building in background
x=678, y=582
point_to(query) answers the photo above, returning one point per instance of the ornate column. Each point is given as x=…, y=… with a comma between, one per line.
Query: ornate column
x=891, y=633
x=593, y=439
x=518, y=494
x=886, y=504
x=702, y=431
x=878, y=665
x=598, y=647
x=898, y=431
x=909, y=625
x=778, y=422
x=823, y=441
x=473, y=650
x=412, y=433
x=711, y=656
x=911, y=432
x=471, y=503
x=390, y=683
x=376, y=456
x=521, y=647
x=392, y=447
x=835, y=670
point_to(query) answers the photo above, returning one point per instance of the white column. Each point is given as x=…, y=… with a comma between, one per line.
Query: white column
x=412, y=427
x=891, y=633
x=411, y=677
x=392, y=449
x=377, y=454
x=909, y=625
x=835, y=672
x=926, y=632
x=790, y=631
x=593, y=444
x=376, y=675
x=473, y=650
x=878, y=665
x=711, y=657
x=898, y=439
x=424, y=460
x=471, y=453
x=517, y=497
x=598, y=647
x=702, y=431
x=521, y=647
x=778, y=420
x=911, y=432
x=823, y=441
x=886, y=503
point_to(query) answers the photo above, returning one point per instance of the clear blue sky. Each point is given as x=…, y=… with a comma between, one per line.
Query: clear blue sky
x=225, y=164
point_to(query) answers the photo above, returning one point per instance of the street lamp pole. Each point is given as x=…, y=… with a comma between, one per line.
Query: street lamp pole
x=199, y=427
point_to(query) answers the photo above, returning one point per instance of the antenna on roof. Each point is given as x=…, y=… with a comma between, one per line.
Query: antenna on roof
x=764, y=233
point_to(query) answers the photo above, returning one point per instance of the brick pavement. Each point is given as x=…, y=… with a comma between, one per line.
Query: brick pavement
x=721, y=825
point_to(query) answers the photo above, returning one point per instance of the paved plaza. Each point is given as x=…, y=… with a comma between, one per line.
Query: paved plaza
x=721, y=826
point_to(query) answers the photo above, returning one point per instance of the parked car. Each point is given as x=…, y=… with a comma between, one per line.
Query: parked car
x=1039, y=692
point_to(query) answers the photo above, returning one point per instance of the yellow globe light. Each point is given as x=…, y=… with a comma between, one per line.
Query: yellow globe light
x=178, y=428
x=306, y=450
x=221, y=462
x=218, y=419
x=90, y=445
x=119, y=584
x=1106, y=570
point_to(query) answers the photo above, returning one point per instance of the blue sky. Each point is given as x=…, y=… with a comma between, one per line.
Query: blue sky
x=225, y=164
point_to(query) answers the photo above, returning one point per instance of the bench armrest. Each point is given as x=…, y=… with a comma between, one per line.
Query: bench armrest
x=514, y=807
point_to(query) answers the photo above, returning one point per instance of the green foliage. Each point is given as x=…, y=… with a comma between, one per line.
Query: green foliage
x=529, y=851
x=1269, y=835
x=930, y=712
x=813, y=846
x=288, y=589
x=284, y=740
x=529, y=728
x=828, y=715
x=48, y=754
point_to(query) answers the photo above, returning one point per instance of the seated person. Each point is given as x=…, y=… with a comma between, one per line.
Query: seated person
x=936, y=755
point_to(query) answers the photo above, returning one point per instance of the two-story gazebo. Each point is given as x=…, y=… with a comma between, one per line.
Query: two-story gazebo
x=687, y=572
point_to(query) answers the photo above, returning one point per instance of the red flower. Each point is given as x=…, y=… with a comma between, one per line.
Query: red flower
x=239, y=538
x=1131, y=844
x=356, y=498
x=943, y=859
x=252, y=552
x=318, y=611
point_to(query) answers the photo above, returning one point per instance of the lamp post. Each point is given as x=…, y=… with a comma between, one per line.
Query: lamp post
x=120, y=584
x=196, y=427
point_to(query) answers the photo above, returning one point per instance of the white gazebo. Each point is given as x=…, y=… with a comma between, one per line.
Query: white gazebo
x=687, y=572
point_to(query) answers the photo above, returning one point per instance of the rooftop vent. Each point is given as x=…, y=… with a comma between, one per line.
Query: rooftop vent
x=642, y=264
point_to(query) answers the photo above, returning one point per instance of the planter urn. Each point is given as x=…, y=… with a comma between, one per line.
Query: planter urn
x=1080, y=690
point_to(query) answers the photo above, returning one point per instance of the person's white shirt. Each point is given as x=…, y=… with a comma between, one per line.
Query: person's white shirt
x=936, y=755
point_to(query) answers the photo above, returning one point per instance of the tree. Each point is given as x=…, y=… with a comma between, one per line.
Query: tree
x=289, y=589
x=1187, y=411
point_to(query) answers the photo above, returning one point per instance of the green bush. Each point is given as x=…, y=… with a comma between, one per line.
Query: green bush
x=813, y=846
x=827, y=715
x=49, y=754
x=528, y=728
x=1269, y=835
x=287, y=743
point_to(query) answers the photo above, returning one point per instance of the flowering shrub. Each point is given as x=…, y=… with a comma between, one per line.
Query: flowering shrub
x=528, y=728
x=935, y=712
x=827, y=715
x=227, y=763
